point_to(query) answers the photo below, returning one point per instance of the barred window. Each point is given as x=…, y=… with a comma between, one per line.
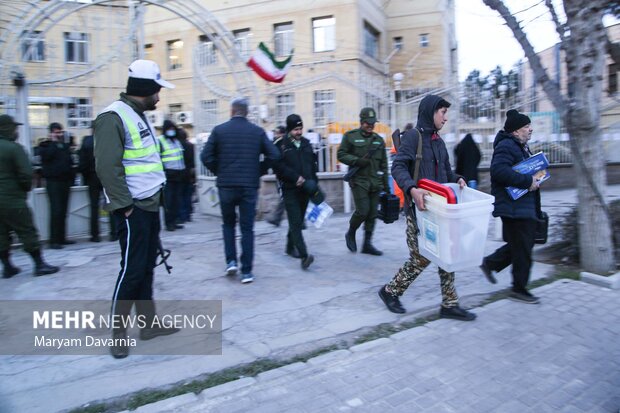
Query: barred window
x=285, y=105
x=324, y=107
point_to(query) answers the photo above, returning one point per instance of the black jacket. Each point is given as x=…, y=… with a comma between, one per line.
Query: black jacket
x=435, y=163
x=467, y=156
x=296, y=162
x=56, y=161
x=233, y=150
x=508, y=151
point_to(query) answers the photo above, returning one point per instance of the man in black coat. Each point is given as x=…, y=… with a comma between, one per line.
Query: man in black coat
x=232, y=153
x=518, y=216
x=86, y=167
x=299, y=183
x=468, y=157
x=57, y=169
x=434, y=165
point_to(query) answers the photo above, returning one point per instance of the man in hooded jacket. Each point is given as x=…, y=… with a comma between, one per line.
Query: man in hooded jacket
x=435, y=165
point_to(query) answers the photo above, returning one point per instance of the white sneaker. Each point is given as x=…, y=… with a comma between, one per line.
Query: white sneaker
x=231, y=268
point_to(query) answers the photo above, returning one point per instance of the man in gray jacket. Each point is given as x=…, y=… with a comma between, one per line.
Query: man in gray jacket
x=435, y=165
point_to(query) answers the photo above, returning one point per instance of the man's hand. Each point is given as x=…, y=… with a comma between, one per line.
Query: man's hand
x=462, y=183
x=535, y=185
x=362, y=162
x=418, y=197
x=300, y=181
x=127, y=213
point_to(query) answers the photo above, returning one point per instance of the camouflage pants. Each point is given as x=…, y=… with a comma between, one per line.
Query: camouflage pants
x=415, y=265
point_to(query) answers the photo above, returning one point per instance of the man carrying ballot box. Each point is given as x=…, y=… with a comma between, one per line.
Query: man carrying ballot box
x=435, y=165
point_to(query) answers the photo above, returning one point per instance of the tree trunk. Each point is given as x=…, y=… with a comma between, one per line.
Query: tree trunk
x=585, y=59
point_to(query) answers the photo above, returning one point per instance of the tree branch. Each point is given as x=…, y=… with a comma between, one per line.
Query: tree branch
x=559, y=27
x=551, y=88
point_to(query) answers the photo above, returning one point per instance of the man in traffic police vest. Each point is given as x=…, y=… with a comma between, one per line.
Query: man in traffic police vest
x=171, y=151
x=132, y=174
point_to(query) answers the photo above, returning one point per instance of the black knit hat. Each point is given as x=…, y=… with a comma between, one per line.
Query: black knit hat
x=293, y=121
x=515, y=120
x=142, y=87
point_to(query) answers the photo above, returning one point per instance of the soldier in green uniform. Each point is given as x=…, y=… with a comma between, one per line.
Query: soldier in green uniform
x=15, y=183
x=364, y=149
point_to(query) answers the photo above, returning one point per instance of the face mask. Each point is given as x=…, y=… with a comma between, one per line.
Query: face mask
x=171, y=133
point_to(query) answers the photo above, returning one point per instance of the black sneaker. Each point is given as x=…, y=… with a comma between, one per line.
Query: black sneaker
x=45, y=269
x=305, y=262
x=120, y=346
x=10, y=271
x=392, y=302
x=523, y=297
x=456, y=313
x=488, y=273
x=150, y=333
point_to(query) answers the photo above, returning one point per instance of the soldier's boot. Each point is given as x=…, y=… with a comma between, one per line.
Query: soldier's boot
x=349, y=237
x=368, y=248
x=9, y=269
x=40, y=266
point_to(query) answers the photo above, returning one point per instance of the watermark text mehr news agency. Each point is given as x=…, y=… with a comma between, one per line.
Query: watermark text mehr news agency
x=52, y=319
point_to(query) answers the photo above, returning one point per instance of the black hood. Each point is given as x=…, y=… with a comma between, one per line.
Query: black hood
x=426, y=112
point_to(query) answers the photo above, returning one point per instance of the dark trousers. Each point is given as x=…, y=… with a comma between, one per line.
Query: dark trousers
x=245, y=199
x=296, y=202
x=94, y=195
x=172, y=199
x=519, y=237
x=20, y=221
x=185, y=206
x=58, y=195
x=138, y=239
x=366, y=203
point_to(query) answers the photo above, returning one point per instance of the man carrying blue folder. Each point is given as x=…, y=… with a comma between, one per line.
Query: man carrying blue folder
x=518, y=215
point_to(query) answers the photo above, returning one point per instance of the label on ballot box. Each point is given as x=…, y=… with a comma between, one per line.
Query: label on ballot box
x=317, y=214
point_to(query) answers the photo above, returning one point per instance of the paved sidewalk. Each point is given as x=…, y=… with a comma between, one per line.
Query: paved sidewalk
x=559, y=356
x=285, y=312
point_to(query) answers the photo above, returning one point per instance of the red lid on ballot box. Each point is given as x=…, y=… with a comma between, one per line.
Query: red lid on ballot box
x=439, y=189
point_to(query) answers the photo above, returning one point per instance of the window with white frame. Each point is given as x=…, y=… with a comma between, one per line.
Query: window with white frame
x=371, y=41
x=324, y=107
x=424, y=42
x=324, y=34
x=285, y=105
x=76, y=47
x=209, y=113
x=283, y=38
x=33, y=47
x=207, y=55
x=242, y=41
x=175, y=54
x=397, y=43
x=38, y=115
x=80, y=113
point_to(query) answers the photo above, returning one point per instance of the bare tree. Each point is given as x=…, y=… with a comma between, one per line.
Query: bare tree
x=584, y=41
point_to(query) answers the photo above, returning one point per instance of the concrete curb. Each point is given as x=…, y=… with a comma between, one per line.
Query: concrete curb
x=612, y=281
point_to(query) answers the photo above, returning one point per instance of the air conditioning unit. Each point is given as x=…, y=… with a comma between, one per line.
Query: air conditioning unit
x=155, y=117
x=184, y=118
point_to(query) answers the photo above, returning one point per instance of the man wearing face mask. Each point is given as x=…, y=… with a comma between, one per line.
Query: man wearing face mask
x=171, y=151
x=15, y=183
x=132, y=174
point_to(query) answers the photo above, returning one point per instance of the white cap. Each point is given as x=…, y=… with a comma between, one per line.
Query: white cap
x=148, y=69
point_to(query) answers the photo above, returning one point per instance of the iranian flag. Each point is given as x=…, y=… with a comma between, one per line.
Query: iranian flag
x=264, y=63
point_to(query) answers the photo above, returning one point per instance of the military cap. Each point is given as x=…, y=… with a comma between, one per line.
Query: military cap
x=368, y=115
